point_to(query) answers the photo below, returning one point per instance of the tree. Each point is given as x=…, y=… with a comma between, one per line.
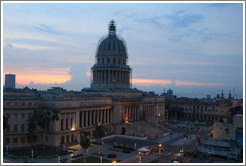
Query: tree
x=175, y=113
x=44, y=117
x=5, y=124
x=31, y=131
x=98, y=134
x=84, y=143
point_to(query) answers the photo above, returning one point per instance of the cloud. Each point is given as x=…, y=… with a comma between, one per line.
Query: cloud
x=179, y=19
x=188, y=83
x=29, y=46
x=45, y=28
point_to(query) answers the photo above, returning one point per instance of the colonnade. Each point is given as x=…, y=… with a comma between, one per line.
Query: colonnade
x=149, y=110
x=113, y=76
x=131, y=112
x=93, y=117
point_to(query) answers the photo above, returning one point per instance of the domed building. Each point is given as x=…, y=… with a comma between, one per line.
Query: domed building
x=110, y=71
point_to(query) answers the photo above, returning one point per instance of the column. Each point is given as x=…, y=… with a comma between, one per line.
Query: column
x=82, y=118
x=101, y=116
x=86, y=119
x=101, y=76
x=98, y=120
x=116, y=76
x=110, y=115
x=107, y=115
x=90, y=118
x=94, y=117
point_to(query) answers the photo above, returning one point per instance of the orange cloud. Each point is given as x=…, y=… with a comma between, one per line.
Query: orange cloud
x=147, y=82
x=187, y=83
x=44, y=76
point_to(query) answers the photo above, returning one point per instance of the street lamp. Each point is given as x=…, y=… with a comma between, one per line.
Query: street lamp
x=114, y=161
x=59, y=158
x=140, y=156
x=160, y=145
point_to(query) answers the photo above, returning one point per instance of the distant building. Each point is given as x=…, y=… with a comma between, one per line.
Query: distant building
x=9, y=81
x=203, y=110
x=168, y=95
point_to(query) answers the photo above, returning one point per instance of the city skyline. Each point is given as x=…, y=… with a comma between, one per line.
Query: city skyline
x=195, y=49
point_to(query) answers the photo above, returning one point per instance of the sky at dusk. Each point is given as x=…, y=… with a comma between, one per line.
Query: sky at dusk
x=193, y=48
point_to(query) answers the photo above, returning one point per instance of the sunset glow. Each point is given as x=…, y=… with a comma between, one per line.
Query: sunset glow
x=147, y=82
x=56, y=75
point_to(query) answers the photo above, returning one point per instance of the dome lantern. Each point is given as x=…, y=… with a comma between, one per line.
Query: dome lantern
x=112, y=28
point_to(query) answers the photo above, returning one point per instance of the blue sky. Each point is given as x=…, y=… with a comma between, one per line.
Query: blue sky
x=193, y=48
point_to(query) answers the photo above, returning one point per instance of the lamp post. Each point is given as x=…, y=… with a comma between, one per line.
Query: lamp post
x=140, y=156
x=32, y=154
x=114, y=161
x=160, y=145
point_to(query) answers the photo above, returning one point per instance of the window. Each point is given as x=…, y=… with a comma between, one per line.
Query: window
x=119, y=61
x=46, y=138
x=102, y=60
x=29, y=115
x=7, y=140
x=66, y=124
x=67, y=138
x=15, y=115
x=108, y=60
x=62, y=124
x=15, y=140
x=36, y=104
x=22, y=127
x=23, y=116
x=15, y=127
x=23, y=103
x=30, y=103
x=8, y=103
x=114, y=60
x=22, y=140
x=98, y=61
x=8, y=128
x=16, y=104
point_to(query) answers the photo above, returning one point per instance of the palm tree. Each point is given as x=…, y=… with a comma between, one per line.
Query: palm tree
x=44, y=117
x=31, y=131
x=5, y=124
x=98, y=134
x=84, y=143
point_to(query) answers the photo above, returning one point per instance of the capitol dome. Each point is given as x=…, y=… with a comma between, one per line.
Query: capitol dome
x=110, y=71
x=112, y=44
